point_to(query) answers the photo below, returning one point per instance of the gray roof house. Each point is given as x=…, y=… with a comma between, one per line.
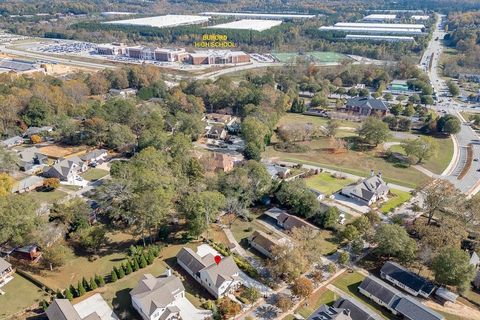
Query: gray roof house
x=37, y=130
x=217, y=279
x=6, y=271
x=474, y=259
x=12, y=142
x=366, y=106
x=28, y=184
x=288, y=221
x=31, y=157
x=368, y=191
x=325, y=312
x=93, y=308
x=395, y=301
x=356, y=310
x=66, y=169
x=164, y=298
x=94, y=156
x=406, y=280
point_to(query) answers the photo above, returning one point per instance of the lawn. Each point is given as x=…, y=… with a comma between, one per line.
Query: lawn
x=315, y=56
x=322, y=296
x=94, y=174
x=19, y=295
x=399, y=198
x=47, y=196
x=349, y=282
x=326, y=183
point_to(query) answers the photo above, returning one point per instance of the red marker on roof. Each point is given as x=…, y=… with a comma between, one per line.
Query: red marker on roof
x=217, y=259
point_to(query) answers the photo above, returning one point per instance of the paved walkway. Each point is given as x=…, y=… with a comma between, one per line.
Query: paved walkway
x=426, y=171
x=356, y=302
x=238, y=248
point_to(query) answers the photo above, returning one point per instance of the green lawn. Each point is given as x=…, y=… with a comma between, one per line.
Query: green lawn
x=315, y=56
x=326, y=183
x=399, y=198
x=47, y=197
x=349, y=282
x=19, y=295
x=94, y=174
x=322, y=296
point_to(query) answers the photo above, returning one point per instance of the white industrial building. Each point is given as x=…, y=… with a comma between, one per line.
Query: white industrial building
x=373, y=30
x=365, y=37
x=380, y=25
x=380, y=17
x=169, y=20
x=422, y=18
x=242, y=15
x=249, y=24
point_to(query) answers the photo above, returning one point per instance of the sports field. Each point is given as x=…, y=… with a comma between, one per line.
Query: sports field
x=314, y=56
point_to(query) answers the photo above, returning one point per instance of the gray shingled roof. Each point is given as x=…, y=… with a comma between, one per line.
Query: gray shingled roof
x=325, y=312
x=406, y=277
x=4, y=265
x=367, y=102
x=367, y=188
x=412, y=309
x=263, y=240
x=381, y=290
x=93, y=154
x=355, y=312
x=191, y=260
x=62, y=309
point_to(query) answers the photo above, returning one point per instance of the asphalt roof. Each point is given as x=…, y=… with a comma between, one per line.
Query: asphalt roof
x=406, y=277
x=355, y=312
x=381, y=290
x=370, y=102
x=414, y=310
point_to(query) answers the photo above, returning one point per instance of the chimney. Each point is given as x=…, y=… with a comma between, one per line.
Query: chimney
x=168, y=272
x=379, y=174
x=372, y=173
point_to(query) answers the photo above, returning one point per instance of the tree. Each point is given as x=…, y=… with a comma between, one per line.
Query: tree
x=409, y=110
x=298, y=106
x=374, y=131
x=81, y=289
x=113, y=276
x=100, y=281
x=56, y=255
x=51, y=183
x=302, y=287
x=393, y=241
x=453, y=88
x=427, y=100
x=201, y=209
x=343, y=258
x=388, y=96
x=120, y=136
x=120, y=272
x=331, y=129
x=35, y=139
x=18, y=219
x=136, y=266
x=143, y=261
x=227, y=308
x=283, y=302
x=251, y=294
x=452, y=267
x=440, y=196
x=396, y=109
x=298, y=197
x=329, y=218
x=288, y=263
x=422, y=148
x=68, y=294
x=254, y=131
x=128, y=268
x=252, y=152
x=357, y=246
x=91, y=238
x=349, y=233
x=92, y=284
x=6, y=184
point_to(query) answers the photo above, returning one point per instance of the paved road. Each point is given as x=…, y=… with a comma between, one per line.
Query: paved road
x=469, y=184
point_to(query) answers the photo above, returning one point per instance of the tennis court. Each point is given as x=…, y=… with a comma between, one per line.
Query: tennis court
x=314, y=56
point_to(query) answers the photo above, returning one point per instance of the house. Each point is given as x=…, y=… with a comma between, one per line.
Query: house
x=395, y=301
x=6, y=272
x=31, y=157
x=217, y=162
x=29, y=252
x=94, y=156
x=66, y=169
x=218, y=279
x=123, y=93
x=28, y=184
x=92, y=308
x=37, y=131
x=407, y=280
x=288, y=221
x=326, y=312
x=218, y=118
x=356, y=311
x=277, y=171
x=263, y=243
x=164, y=298
x=474, y=259
x=366, y=106
x=12, y=142
x=216, y=131
x=398, y=86
x=369, y=190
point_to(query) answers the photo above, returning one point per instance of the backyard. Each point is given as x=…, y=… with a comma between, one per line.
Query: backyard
x=94, y=174
x=20, y=294
x=46, y=196
x=326, y=183
x=398, y=198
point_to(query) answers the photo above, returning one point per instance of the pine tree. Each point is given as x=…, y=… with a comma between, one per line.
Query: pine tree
x=128, y=268
x=59, y=294
x=73, y=290
x=68, y=294
x=121, y=273
x=85, y=284
x=100, y=281
x=135, y=265
x=92, y=284
x=143, y=261
x=150, y=257
x=113, y=276
x=81, y=289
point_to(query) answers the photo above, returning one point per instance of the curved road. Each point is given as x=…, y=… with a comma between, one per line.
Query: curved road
x=470, y=183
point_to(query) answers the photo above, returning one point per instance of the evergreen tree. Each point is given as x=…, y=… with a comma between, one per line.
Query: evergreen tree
x=113, y=276
x=68, y=294
x=121, y=273
x=59, y=294
x=73, y=291
x=92, y=284
x=128, y=268
x=150, y=257
x=100, y=281
x=85, y=284
x=135, y=265
x=81, y=289
x=143, y=261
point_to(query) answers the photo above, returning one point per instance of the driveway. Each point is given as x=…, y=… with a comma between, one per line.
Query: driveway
x=351, y=203
x=252, y=283
x=188, y=310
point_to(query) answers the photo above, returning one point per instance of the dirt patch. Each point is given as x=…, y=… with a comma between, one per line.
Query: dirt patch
x=56, y=151
x=461, y=311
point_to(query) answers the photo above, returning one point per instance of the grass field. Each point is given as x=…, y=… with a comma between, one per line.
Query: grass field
x=400, y=197
x=322, y=296
x=94, y=174
x=349, y=282
x=47, y=197
x=19, y=295
x=325, y=183
x=315, y=56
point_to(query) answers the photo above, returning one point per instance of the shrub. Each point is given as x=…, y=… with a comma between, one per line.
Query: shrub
x=85, y=283
x=51, y=183
x=120, y=273
x=150, y=257
x=59, y=294
x=68, y=294
x=113, y=276
x=143, y=261
x=135, y=265
x=302, y=287
x=128, y=268
x=35, y=139
x=99, y=280
x=246, y=267
x=81, y=289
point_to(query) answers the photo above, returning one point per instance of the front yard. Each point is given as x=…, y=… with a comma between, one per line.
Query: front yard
x=20, y=294
x=326, y=183
x=399, y=197
x=94, y=174
x=47, y=196
x=322, y=296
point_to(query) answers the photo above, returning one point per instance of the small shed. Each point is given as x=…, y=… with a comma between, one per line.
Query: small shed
x=444, y=295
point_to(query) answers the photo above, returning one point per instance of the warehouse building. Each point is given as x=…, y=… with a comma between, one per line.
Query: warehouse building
x=264, y=16
x=364, y=37
x=420, y=18
x=378, y=31
x=19, y=66
x=379, y=17
x=381, y=25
